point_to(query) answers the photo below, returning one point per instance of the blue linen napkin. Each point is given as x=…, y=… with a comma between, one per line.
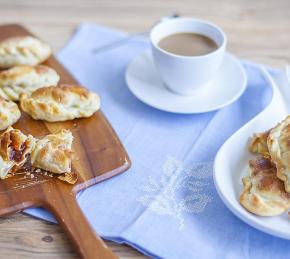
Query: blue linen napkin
x=166, y=205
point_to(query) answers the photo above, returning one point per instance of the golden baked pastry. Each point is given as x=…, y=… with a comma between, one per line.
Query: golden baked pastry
x=14, y=150
x=9, y=113
x=53, y=153
x=61, y=103
x=264, y=193
x=258, y=143
x=25, y=50
x=25, y=79
x=279, y=148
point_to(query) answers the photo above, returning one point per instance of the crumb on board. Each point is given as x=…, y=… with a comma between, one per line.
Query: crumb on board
x=70, y=178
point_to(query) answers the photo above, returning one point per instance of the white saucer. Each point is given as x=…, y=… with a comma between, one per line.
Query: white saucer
x=144, y=82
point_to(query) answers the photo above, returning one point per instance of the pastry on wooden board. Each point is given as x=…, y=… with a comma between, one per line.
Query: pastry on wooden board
x=35, y=86
x=14, y=150
x=24, y=79
x=9, y=113
x=53, y=152
x=50, y=154
x=61, y=103
x=264, y=193
x=23, y=50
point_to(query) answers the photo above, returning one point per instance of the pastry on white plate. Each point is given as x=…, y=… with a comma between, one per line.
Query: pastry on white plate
x=9, y=113
x=279, y=148
x=258, y=143
x=264, y=193
x=23, y=50
x=25, y=79
x=60, y=103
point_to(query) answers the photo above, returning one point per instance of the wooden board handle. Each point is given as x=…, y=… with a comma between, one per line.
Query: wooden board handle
x=10, y=204
x=64, y=206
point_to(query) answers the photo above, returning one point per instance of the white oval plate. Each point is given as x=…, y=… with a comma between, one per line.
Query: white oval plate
x=232, y=159
x=227, y=86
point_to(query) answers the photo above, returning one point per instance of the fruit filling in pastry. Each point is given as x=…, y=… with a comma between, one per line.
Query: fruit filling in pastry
x=15, y=148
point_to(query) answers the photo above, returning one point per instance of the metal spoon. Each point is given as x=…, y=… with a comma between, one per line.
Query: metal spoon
x=119, y=43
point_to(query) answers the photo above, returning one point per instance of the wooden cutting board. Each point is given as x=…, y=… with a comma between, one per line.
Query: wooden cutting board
x=97, y=155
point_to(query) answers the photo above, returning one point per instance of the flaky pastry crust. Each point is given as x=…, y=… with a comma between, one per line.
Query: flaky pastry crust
x=25, y=79
x=23, y=50
x=258, y=144
x=264, y=193
x=9, y=113
x=279, y=148
x=61, y=103
x=52, y=153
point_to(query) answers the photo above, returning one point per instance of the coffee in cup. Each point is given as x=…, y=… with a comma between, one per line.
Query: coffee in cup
x=187, y=53
x=187, y=44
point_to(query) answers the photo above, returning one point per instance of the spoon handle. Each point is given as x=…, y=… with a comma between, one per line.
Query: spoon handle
x=119, y=43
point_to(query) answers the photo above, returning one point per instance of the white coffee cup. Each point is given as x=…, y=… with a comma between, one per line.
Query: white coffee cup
x=187, y=74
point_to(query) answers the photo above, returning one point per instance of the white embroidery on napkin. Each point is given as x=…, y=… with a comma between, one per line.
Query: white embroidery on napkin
x=178, y=190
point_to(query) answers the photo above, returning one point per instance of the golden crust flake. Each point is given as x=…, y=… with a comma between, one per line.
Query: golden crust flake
x=70, y=178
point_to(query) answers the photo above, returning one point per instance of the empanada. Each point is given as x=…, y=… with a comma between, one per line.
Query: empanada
x=53, y=152
x=279, y=148
x=14, y=150
x=258, y=143
x=264, y=193
x=9, y=113
x=61, y=103
x=25, y=50
x=25, y=79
